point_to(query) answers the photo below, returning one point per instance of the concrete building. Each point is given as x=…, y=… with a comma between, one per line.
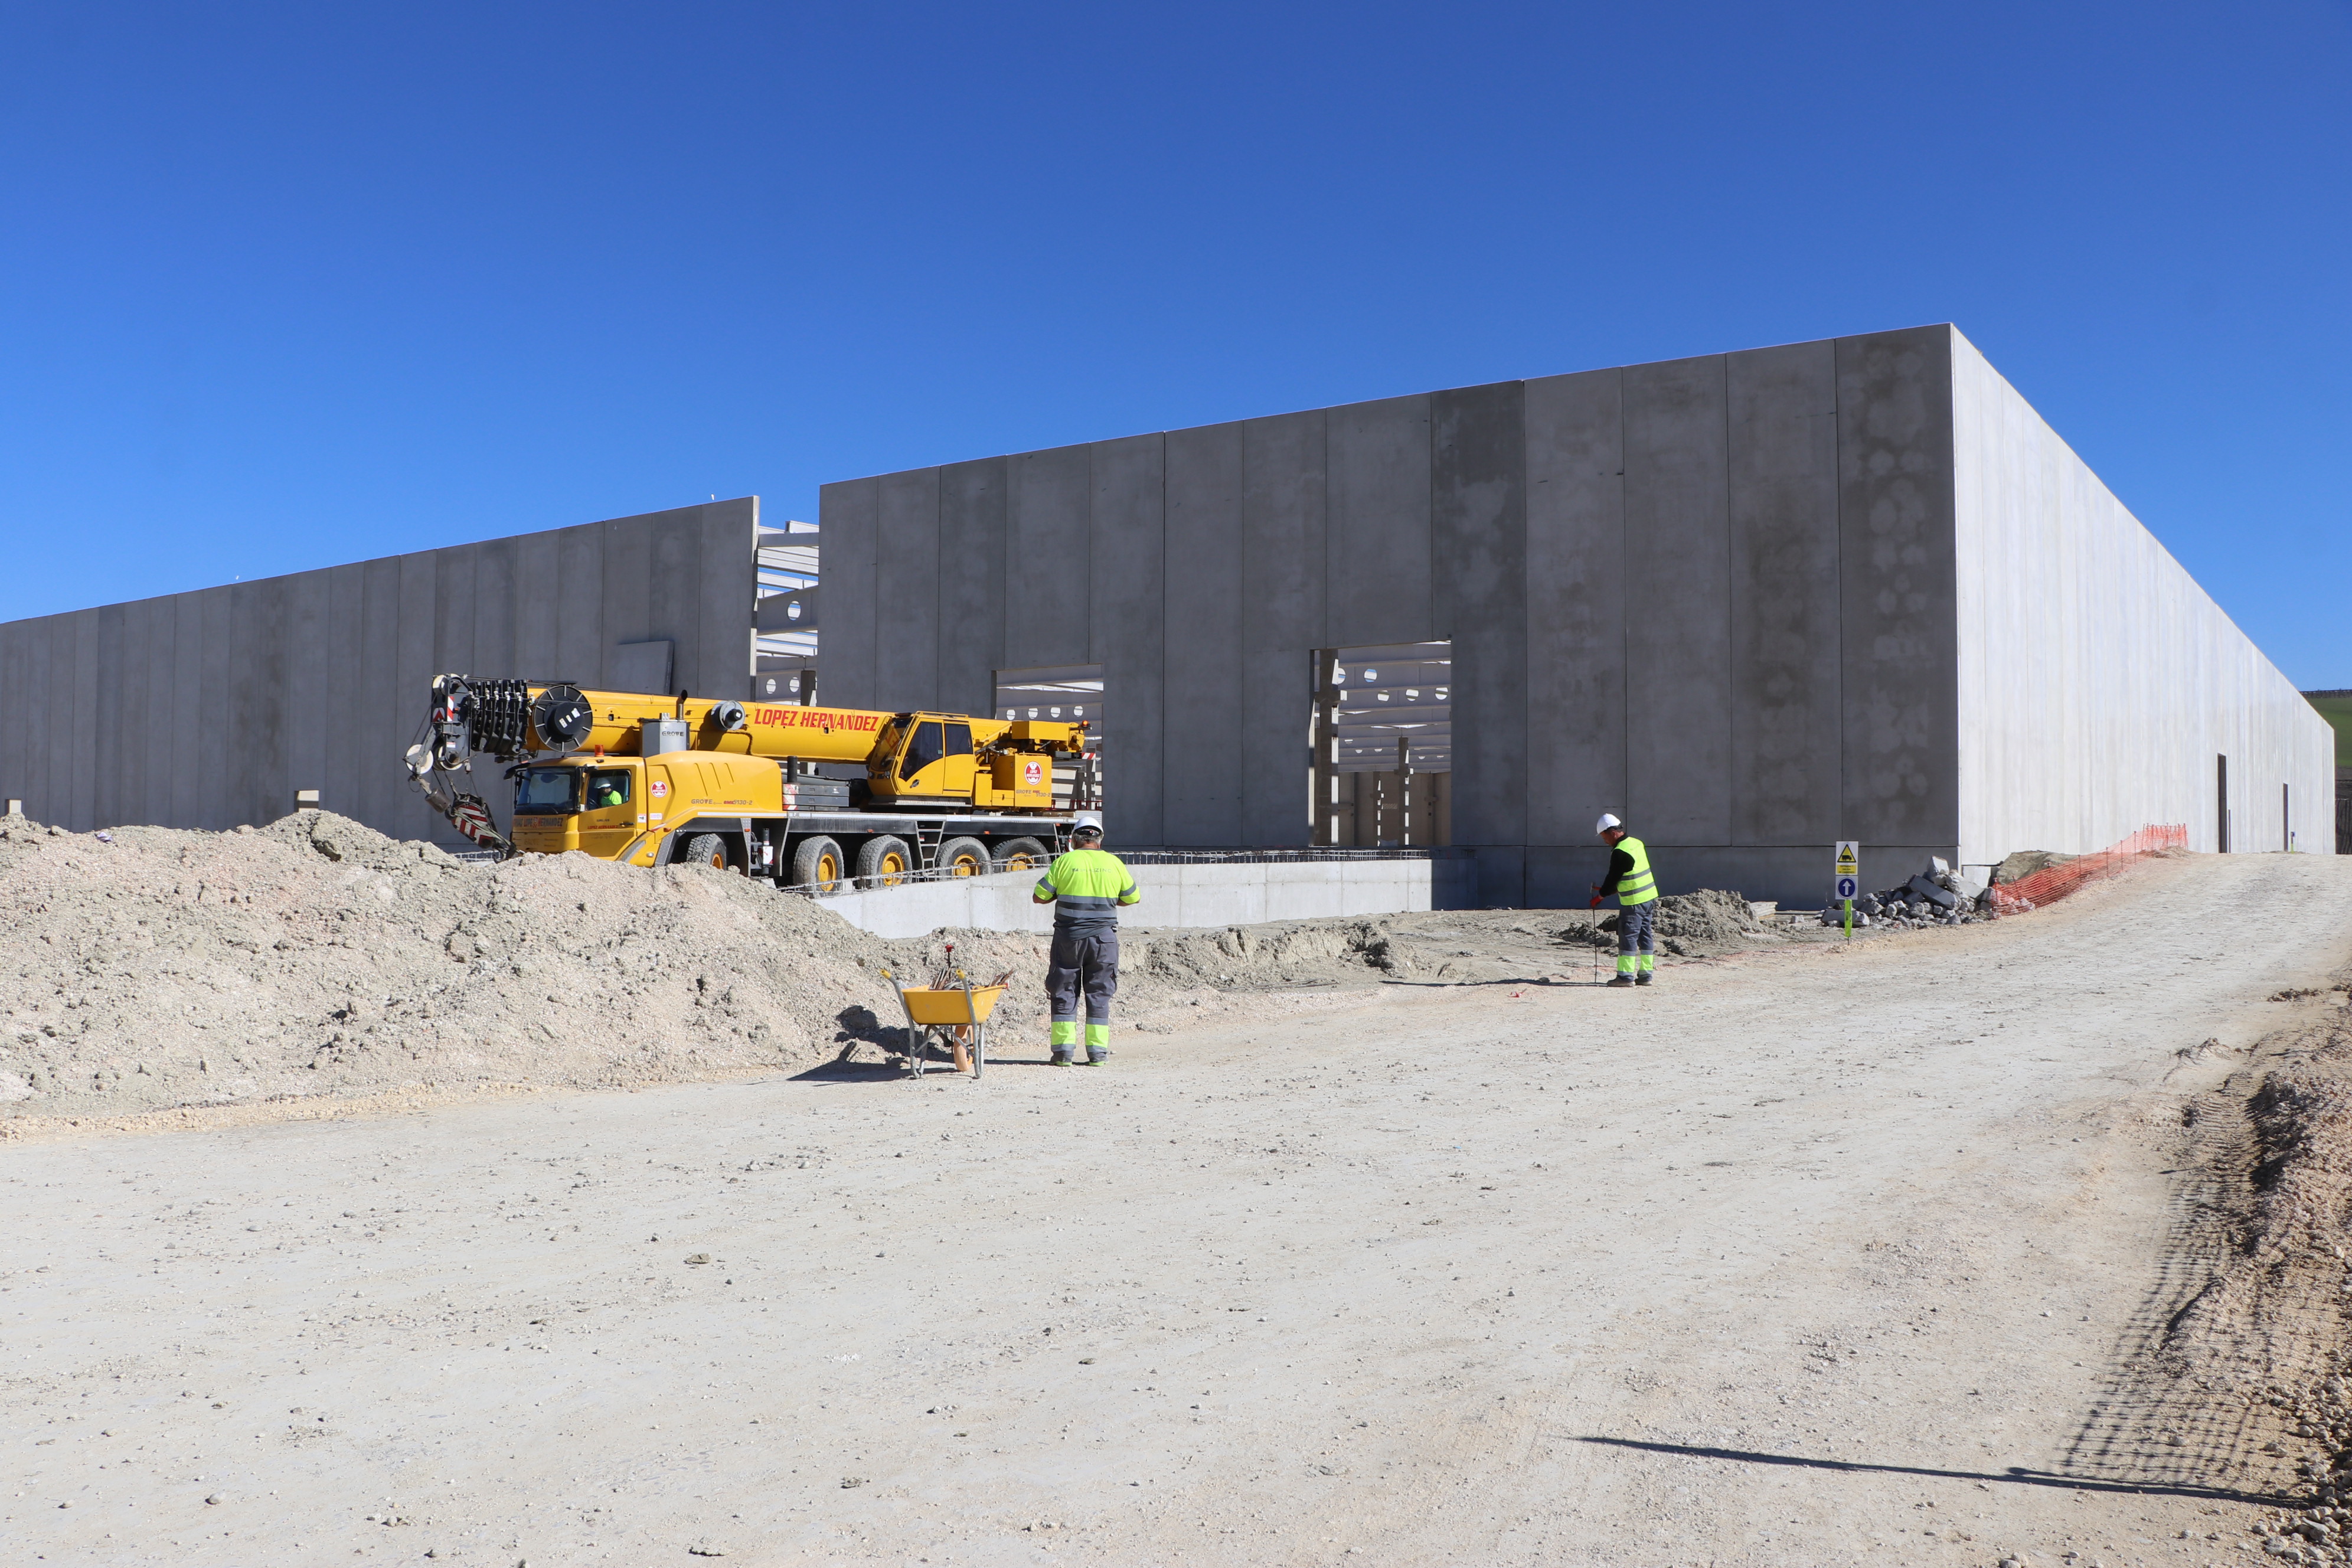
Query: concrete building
x=213, y=708
x=1755, y=602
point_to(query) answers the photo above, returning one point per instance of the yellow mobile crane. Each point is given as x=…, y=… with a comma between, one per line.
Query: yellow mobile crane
x=649, y=780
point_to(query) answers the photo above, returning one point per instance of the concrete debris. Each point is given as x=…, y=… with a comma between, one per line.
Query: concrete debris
x=1968, y=889
x=1943, y=898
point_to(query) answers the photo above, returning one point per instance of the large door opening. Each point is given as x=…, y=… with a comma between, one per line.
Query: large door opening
x=1381, y=739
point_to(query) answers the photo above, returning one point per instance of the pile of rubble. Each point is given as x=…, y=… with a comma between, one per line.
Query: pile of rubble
x=1936, y=896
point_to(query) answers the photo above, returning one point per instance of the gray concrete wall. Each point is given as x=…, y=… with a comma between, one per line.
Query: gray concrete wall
x=1174, y=895
x=210, y=708
x=2097, y=682
x=1713, y=595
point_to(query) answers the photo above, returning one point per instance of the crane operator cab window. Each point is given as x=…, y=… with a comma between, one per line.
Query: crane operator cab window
x=924, y=746
x=608, y=786
x=547, y=791
x=930, y=742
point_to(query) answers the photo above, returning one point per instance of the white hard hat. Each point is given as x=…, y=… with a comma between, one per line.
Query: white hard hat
x=1608, y=820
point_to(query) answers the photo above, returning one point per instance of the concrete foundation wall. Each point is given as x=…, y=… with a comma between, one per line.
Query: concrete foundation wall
x=2098, y=682
x=1174, y=895
x=1712, y=595
x=210, y=708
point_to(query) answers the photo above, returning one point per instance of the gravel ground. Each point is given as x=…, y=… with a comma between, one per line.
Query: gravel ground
x=1811, y=1255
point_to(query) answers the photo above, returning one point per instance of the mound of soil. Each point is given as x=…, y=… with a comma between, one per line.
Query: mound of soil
x=150, y=968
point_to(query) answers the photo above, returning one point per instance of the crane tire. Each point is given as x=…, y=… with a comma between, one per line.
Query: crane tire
x=884, y=861
x=1022, y=855
x=818, y=862
x=965, y=857
x=705, y=850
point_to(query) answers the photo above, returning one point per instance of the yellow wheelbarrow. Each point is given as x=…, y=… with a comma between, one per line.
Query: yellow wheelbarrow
x=955, y=1016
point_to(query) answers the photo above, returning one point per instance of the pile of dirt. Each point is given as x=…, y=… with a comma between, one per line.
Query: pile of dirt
x=2025, y=863
x=151, y=968
x=1704, y=923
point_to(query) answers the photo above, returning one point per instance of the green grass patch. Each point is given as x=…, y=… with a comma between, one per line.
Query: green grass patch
x=2336, y=708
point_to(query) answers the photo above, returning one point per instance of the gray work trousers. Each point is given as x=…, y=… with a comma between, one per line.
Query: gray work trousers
x=1082, y=964
x=1637, y=933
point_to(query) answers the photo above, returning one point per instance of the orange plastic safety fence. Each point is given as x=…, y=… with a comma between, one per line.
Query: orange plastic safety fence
x=2057, y=881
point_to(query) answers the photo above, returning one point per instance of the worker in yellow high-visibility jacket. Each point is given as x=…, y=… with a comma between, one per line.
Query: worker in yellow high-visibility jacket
x=1636, y=892
x=1087, y=888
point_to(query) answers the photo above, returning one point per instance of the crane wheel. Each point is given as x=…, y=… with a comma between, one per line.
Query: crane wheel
x=819, y=862
x=704, y=850
x=884, y=861
x=1020, y=854
x=965, y=857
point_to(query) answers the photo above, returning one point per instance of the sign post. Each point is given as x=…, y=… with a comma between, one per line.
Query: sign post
x=1849, y=879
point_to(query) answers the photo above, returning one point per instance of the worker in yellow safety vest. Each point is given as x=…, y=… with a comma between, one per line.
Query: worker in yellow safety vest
x=1087, y=888
x=1636, y=891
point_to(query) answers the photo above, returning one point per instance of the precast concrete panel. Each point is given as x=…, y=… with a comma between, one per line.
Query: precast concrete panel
x=1896, y=585
x=226, y=638
x=729, y=597
x=1576, y=623
x=185, y=677
x=626, y=558
x=972, y=585
x=83, y=719
x=454, y=575
x=310, y=639
x=1678, y=594
x=342, y=723
x=907, y=592
x=1282, y=567
x=54, y=671
x=1124, y=607
x=1377, y=538
x=385, y=708
x=673, y=597
x=17, y=747
x=1203, y=805
x=494, y=608
x=1047, y=528
x=1781, y=454
x=848, y=520
x=538, y=608
x=415, y=665
x=255, y=705
x=146, y=646
x=108, y=748
x=1478, y=534
x=580, y=629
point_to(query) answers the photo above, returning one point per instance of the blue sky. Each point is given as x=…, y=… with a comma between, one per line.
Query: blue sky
x=290, y=285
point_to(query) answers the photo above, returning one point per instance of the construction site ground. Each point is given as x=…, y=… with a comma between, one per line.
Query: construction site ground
x=1930, y=1249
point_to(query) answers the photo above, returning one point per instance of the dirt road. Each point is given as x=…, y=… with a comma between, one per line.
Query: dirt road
x=1806, y=1256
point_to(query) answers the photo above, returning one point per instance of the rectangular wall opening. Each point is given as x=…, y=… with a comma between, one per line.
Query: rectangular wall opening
x=784, y=619
x=1067, y=694
x=2221, y=790
x=1380, y=773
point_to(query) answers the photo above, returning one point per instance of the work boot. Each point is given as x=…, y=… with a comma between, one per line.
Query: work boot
x=1642, y=979
x=1623, y=979
x=1096, y=1059
x=1061, y=1058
